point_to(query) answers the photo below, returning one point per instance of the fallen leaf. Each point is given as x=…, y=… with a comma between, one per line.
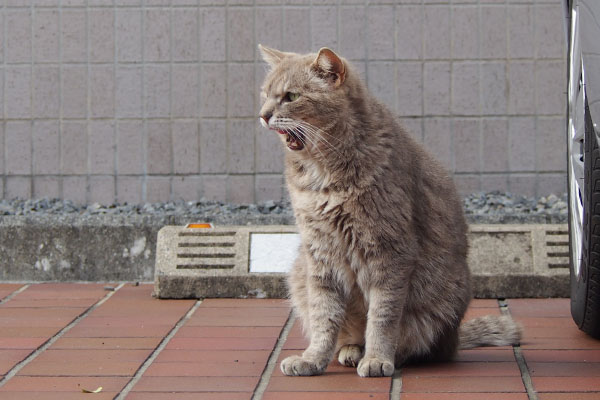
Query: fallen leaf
x=92, y=391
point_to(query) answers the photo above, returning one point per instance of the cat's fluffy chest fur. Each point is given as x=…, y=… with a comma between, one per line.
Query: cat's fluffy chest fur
x=327, y=218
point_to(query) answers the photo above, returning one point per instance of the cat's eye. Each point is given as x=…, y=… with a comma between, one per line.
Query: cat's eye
x=289, y=96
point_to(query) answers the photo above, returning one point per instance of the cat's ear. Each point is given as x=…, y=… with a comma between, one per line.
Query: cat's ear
x=271, y=56
x=329, y=65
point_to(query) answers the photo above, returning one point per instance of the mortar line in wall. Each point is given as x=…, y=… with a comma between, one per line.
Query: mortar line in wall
x=337, y=25
x=33, y=355
x=338, y=29
x=366, y=40
x=535, y=141
x=200, y=189
x=310, y=25
x=114, y=121
x=422, y=61
x=31, y=121
x=396, y=65
x=507, y=91
x=255, y=105
x=188, y=119
x=61, y=111
x=535, y=99
x=507, y=166
x=171, y=95
x=89, y=97
x=227, y=139
x=283, y=24
x=410, y=116
x=354, y=60
x=451, y=90
x=149, y=6
x=4, y=151
x=115, y=91
x=31, y=100
x=480, y=95
x=183, y=174
x=144, y=127
x=508, y=131
x=507, y=48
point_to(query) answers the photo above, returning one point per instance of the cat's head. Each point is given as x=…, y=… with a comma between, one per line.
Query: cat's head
x=303, y=97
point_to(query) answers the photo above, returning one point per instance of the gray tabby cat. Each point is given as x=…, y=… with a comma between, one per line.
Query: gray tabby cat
x=381, y=278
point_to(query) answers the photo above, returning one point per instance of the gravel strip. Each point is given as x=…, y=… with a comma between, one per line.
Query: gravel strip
x=481, y=207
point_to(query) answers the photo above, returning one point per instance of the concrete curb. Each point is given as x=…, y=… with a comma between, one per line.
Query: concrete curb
x=505, y=261
x=124, y=249
x=274, y=286
x=98, y=253
x=97, y=248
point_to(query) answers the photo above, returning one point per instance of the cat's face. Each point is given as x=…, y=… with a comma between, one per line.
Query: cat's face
x=301, y=97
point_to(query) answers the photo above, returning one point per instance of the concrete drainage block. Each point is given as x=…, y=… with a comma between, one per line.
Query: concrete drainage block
x=224, y=261
x=519, y=260
x=201, y=260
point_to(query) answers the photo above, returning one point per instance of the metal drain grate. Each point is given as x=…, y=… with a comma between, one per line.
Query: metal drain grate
x=206, y=250
x=557, y=248
x=202, y=249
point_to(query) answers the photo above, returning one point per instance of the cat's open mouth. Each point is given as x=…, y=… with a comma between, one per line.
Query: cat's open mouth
x=293, y=140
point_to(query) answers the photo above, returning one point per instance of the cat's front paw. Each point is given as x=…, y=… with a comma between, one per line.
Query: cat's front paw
x=371, y=367
x=350, y=355
x=298, y=366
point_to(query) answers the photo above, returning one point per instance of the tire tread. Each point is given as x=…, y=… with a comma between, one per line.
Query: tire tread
x=591, y=319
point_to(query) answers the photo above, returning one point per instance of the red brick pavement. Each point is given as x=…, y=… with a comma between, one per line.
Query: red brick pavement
x=56, y=339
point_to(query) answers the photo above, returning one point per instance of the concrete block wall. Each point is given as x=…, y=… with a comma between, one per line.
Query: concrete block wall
x=156, y=100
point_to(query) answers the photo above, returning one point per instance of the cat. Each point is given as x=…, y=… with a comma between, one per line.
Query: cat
x=381, y=277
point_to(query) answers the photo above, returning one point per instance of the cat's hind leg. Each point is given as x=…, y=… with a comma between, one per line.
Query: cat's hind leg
x=351, y=339
x=350, y=355
x=425, y=339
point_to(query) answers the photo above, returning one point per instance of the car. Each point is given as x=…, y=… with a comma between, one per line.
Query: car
x=582, y=19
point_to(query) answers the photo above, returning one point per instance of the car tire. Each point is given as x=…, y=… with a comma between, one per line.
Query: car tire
x=583, y=166
x=585, y=283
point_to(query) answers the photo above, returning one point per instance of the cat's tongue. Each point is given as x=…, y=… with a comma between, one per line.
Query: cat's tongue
x=292, y=141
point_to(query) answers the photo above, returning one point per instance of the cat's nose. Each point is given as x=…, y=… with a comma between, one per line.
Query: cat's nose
x=267, y=116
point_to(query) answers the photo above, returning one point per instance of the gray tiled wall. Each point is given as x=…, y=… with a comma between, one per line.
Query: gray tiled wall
x=154, y=100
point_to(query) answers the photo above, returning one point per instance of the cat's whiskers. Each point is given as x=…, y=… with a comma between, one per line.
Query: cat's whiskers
x=316, y=133
x=308, y=124
x=320, y=131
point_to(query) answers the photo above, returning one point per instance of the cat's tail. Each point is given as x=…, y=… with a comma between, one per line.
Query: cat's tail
x=491, y=330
